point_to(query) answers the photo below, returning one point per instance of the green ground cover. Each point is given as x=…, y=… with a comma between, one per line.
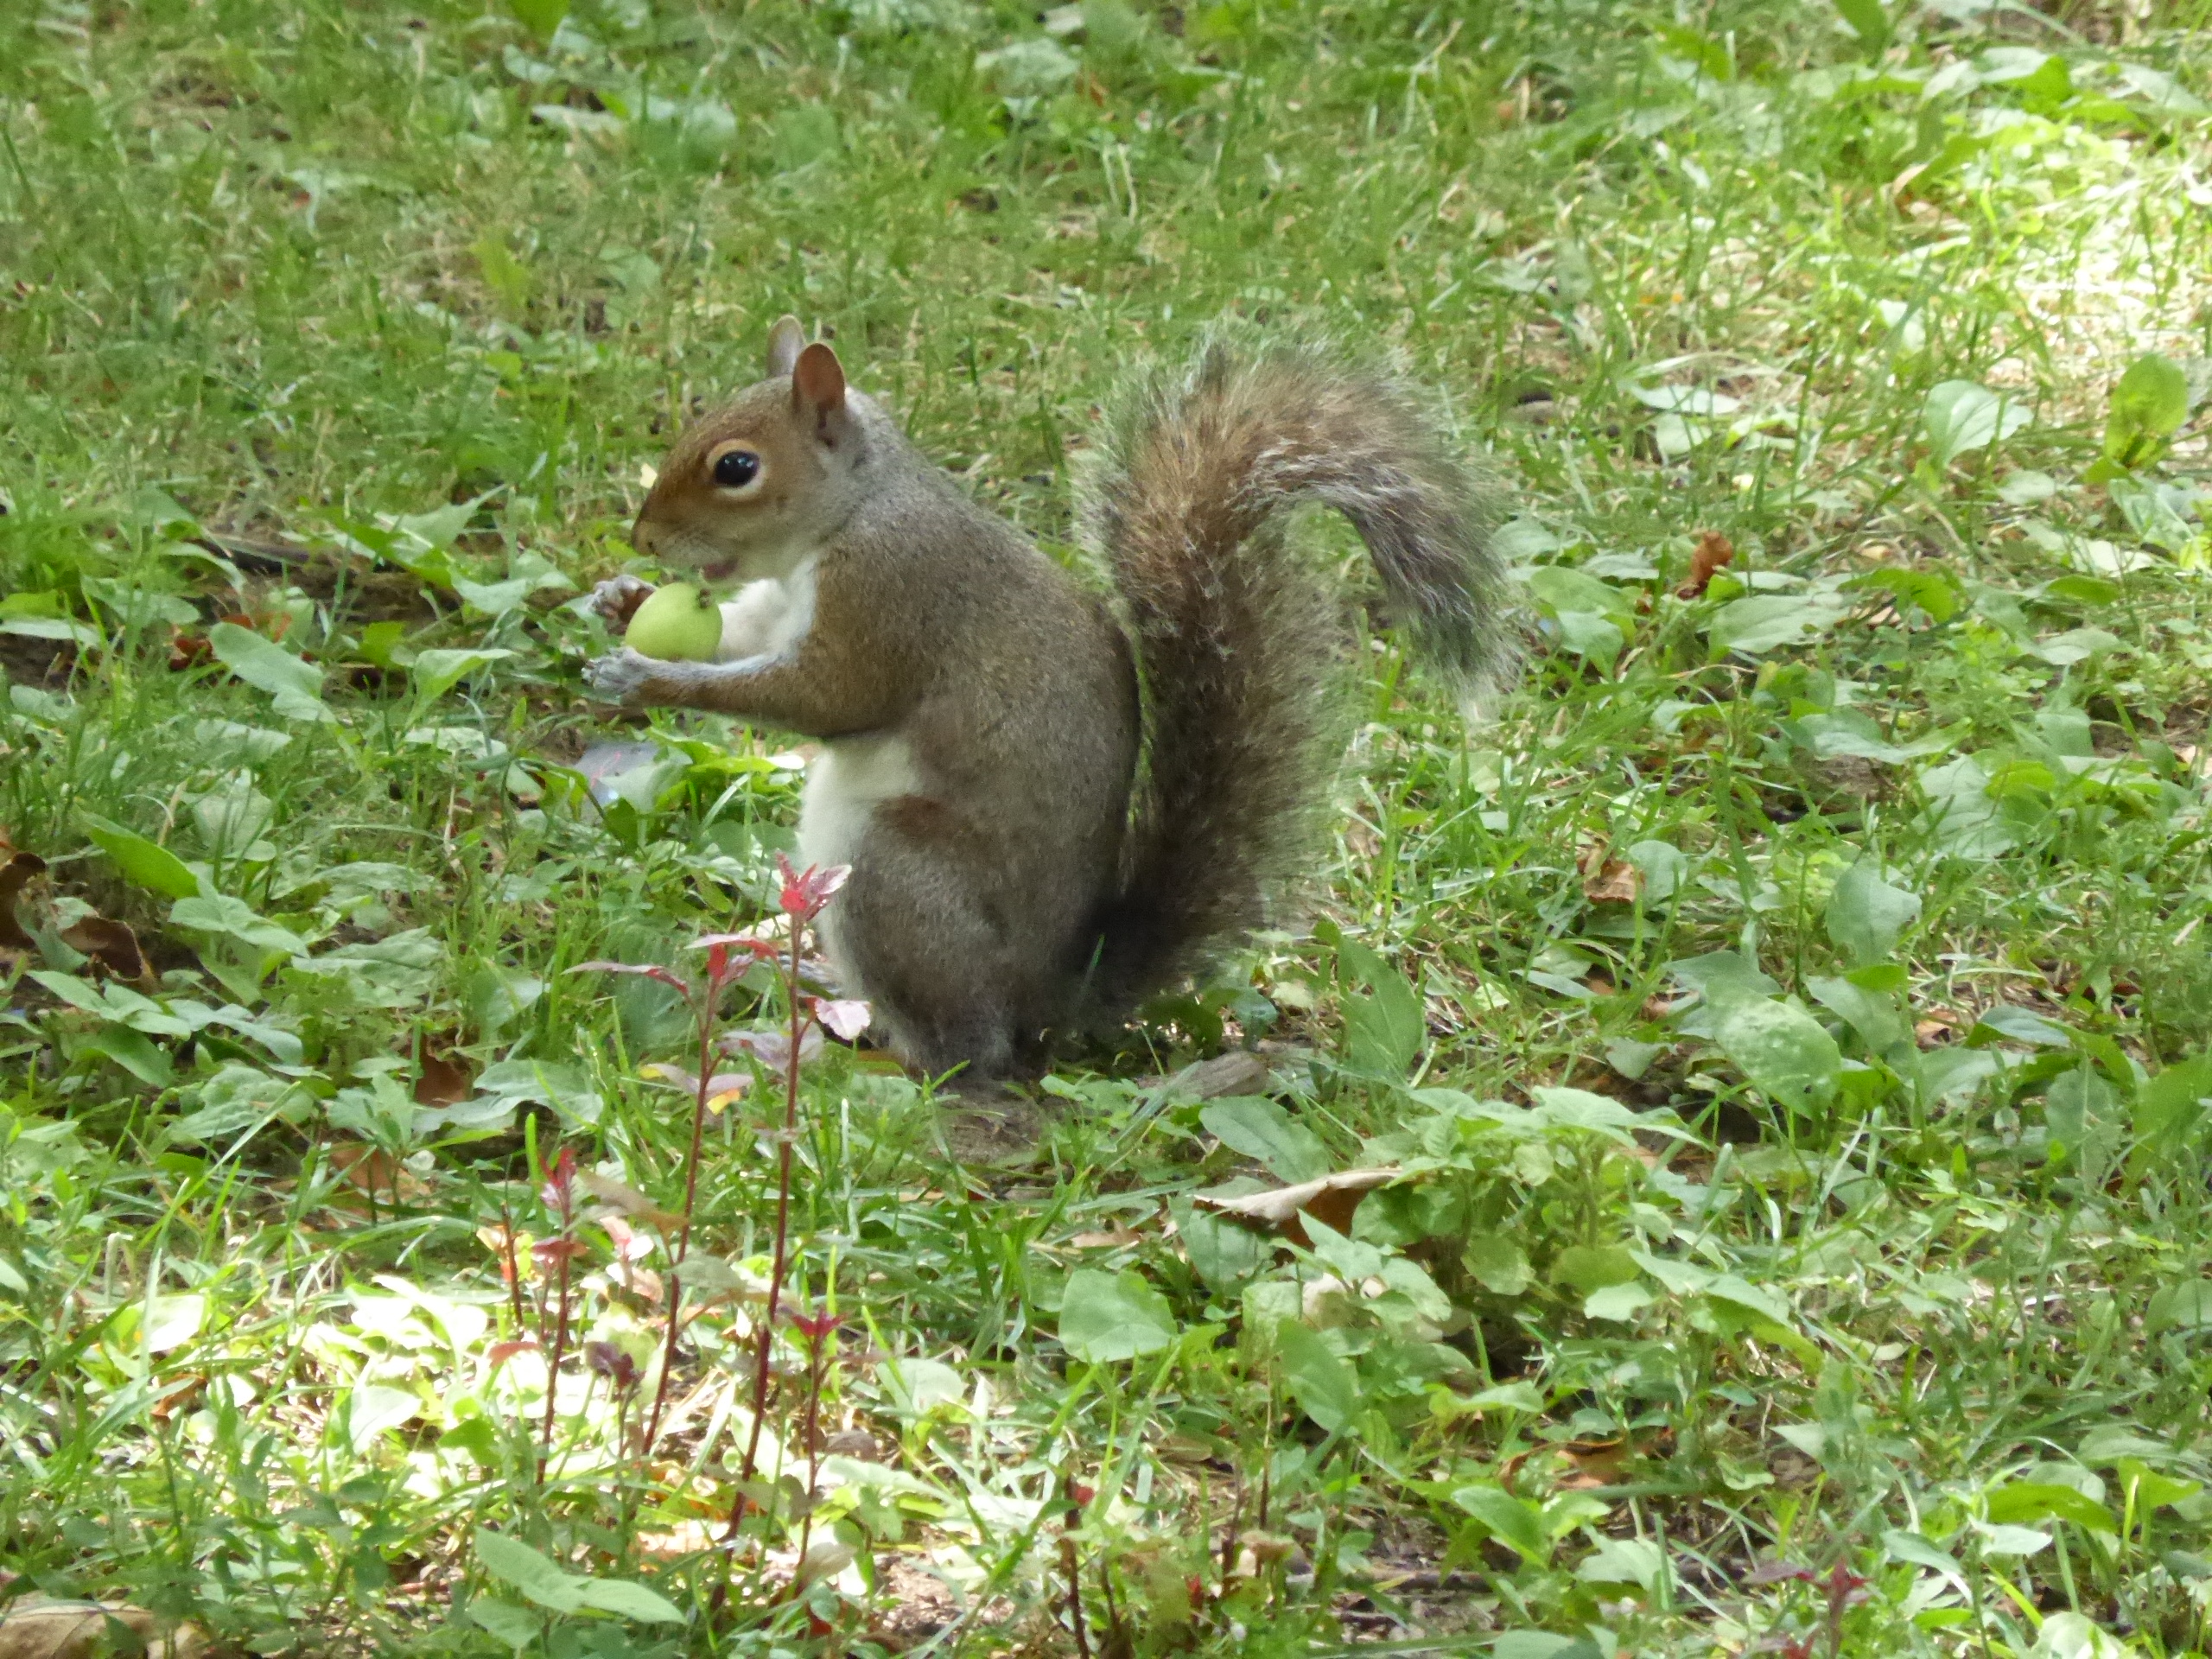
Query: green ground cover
x=1787, y=1013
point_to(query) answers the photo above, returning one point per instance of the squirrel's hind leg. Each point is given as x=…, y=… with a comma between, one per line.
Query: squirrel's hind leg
x=919, y=930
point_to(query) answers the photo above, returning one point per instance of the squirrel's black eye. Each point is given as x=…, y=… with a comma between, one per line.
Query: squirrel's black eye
x=736, y=469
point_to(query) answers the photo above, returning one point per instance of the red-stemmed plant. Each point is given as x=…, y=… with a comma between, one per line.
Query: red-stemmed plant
x=804, y=895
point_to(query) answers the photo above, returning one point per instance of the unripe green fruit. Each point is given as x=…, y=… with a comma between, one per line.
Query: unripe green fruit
x=677, y=624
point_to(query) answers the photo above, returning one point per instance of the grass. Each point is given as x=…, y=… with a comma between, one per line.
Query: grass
x=1788, y=1011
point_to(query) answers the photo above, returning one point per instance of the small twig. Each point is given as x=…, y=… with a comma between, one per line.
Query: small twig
x=565, y=1191
x=1073, y=1568
x=783, y=1221
x=704, y=1014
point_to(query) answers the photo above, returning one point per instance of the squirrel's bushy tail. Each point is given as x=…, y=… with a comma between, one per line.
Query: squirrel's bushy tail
x=1232, y=639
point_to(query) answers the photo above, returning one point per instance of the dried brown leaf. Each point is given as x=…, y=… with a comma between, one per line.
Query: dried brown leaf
x=1331, y=1200
x=112, y=944
x=443, y=1080
x=1713, y=550
x=1615, y=882
x=38, y=1627
x=15, y=876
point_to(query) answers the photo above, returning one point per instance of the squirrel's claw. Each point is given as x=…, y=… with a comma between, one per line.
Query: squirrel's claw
x=617, y=598
x=621, y=676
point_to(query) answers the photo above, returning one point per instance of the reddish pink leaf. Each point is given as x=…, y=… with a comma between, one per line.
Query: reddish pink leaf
x=845, y=1017
x=552, y=1252
x=559, y=1175
x=772, y=1048
x=501, y=1353
x=806, y=891
x=644, y=968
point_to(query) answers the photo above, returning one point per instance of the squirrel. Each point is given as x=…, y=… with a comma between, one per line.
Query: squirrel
x=1050, y=812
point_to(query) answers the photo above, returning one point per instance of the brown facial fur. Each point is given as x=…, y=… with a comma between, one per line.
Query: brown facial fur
x=809, y=445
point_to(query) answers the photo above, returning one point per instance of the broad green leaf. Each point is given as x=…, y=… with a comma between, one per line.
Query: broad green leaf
x=224, y=913
x=2004, y=1022
x=2075, y=1636
x=1622, y=1560
x=1665, y=868
x=1875, y=1014
x=1999, y=1539
x=1542, y=1644
x=541, y=18
x=2150, y=1490
x=134, y=1052
x=1617, y=1302
x=1260, y=1128
x=374, y=1407
x=1912, y=1548
x=1560, y=588
x=1498, y=1263
x=1106, y=1317
x=145, y=862
x=516, y=1626
x=436, y=672
x=1866, y=916
x=1321, y=1380
x=295, y=687
x=1787, y=1054
x=1926, y=590
x=543, y=1581
x=1961, y=416
x=627, y=1600
x=1868, y=20
x=1223, y=1253
x=2021, y=1501
x=1598, y=638
x=1741, y=1293
x=2149, y=403
x=2172, y=1104
x=2076, y=646
x=1385, y=1028
x=2185, y=1305
x=1722, y=977
x=1764, y=622
x=172, y=1321
x=1588, y=1268
x=1512, y=1521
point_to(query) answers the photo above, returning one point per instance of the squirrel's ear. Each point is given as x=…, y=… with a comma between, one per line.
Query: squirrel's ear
x=787, y=339
x=819, y=390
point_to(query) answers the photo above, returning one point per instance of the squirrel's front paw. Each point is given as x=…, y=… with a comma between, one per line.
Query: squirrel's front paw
x=624, y=677
x=617, y=598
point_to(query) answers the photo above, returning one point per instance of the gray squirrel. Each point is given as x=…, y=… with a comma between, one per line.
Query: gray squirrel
x=1050, y=813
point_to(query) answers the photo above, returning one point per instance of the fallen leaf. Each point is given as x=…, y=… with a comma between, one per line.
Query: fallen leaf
x=684, y=1538
x=1329, y=1200
x=1615, y=882
x=1238, y=1072
x=112, y=944
x=1713, y=550
x=621, y=1196
x=15, y=876
x=375, y=1171
x=1120, y=1239
x=1940, y=1026
x=38, y=1627
x=444, y=1079
x=722, y=1089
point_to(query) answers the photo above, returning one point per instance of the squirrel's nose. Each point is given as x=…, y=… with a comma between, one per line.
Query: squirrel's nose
x=641, y=535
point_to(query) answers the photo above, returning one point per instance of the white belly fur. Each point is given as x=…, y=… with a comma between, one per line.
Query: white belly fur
x=766, y=619
x=844, y=784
